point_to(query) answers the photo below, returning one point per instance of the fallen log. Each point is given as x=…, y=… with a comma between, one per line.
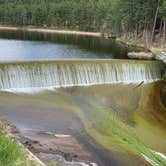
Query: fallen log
x=141, y=55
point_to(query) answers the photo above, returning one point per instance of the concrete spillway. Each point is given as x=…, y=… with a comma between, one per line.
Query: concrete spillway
x=66, y=73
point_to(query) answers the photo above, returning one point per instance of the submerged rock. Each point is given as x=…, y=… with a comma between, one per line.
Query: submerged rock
x=59, y=160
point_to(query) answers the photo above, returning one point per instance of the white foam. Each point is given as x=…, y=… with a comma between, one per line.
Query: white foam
x=28, y=90
x=33, y=90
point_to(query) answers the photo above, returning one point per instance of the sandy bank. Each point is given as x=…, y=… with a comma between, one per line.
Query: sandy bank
x=48, y=30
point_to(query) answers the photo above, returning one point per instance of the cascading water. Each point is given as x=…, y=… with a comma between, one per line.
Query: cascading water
x=77, y=73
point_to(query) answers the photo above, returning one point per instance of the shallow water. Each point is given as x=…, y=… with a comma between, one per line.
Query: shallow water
x=119, y=120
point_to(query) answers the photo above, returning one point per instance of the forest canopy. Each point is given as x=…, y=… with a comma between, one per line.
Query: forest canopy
x=137, y=17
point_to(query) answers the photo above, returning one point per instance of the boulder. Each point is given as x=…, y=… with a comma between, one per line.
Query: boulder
x=161, y=56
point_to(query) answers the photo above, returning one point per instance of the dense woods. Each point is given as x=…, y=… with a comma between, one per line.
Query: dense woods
x=134, y=18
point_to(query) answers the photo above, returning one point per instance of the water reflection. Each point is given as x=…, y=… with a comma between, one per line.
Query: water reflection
x=23, y=45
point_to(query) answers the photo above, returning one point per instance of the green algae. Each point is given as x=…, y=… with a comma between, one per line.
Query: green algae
x=121, y=118
x=112, y=129
x=107, y=128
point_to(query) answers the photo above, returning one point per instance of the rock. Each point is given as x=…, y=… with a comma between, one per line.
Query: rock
x=141, y=55
x=161, y=56
x=109, y=36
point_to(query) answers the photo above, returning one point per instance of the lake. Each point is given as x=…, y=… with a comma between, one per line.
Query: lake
x=22, y=45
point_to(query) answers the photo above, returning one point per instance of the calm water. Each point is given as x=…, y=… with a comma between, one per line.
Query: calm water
x=43, y=46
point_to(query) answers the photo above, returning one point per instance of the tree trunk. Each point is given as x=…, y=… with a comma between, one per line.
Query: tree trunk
x=154, y=24
x=164, y=32
x=147, y=37
x=161, y=28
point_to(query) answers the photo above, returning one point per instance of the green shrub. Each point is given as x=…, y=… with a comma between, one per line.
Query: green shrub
x=10, y=152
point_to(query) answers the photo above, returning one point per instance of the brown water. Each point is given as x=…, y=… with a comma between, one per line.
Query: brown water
x=135, y=112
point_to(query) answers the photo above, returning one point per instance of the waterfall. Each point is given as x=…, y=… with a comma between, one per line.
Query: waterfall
x=77, y=73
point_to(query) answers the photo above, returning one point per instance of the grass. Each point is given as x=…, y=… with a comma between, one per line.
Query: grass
x=11, y=153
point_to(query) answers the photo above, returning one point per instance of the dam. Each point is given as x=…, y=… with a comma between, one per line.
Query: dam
x=67, y=73
x=88, y=103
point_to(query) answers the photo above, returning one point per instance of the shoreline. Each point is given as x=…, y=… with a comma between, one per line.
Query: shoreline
x=154, y=51
x=7, y=128
x=49, y=30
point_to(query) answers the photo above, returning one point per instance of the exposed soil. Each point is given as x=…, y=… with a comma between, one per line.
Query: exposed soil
x=63, y=149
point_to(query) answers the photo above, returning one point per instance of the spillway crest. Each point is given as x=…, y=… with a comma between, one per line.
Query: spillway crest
x=77, y=73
